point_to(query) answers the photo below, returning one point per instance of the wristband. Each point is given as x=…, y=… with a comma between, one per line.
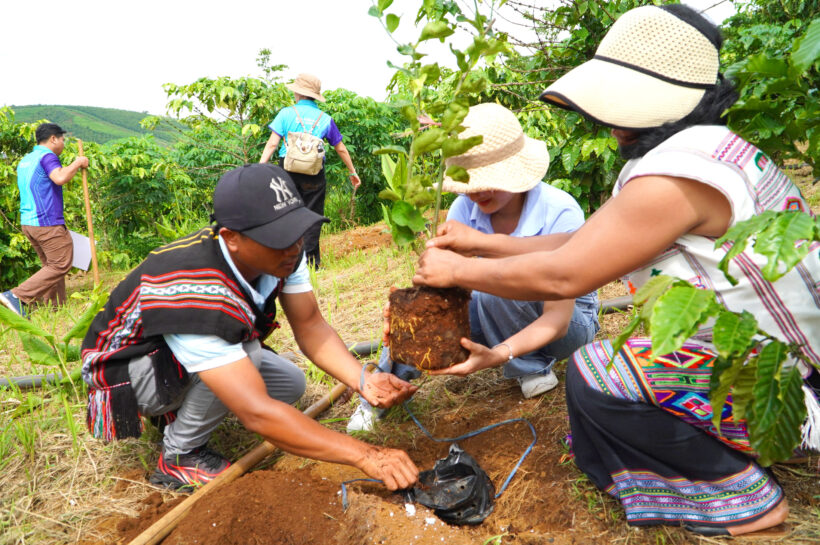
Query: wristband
x=510, y=357
x=352, y=174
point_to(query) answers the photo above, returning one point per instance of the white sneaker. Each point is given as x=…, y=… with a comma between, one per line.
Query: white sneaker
x=361, y=420
x=533, y=385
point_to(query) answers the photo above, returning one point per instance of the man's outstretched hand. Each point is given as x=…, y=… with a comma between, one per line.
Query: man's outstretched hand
x=392, y=466
x=385, y=390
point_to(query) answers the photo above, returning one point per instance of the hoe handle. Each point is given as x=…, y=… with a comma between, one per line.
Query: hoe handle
x=88, y=217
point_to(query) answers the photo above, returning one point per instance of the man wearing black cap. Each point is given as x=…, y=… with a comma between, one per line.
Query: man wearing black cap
x=180, y=339
x=40, y=178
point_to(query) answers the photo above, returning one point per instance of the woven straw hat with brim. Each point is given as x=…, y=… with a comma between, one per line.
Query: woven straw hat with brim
x=507, y=159
x=651, y=68
x=307, y=85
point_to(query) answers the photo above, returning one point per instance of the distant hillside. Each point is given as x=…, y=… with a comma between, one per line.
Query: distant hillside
x=90, y=123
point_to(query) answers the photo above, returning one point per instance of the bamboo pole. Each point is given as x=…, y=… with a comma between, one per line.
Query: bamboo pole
x=161, y=528
x=88, y=217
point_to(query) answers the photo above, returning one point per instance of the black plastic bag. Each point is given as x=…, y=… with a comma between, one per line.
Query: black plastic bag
x=457, y=489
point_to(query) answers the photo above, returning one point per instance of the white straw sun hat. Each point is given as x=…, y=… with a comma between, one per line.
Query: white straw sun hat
x=651, y=68
x=507, y=159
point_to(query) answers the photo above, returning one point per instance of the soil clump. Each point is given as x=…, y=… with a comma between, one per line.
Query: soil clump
x=427, y=324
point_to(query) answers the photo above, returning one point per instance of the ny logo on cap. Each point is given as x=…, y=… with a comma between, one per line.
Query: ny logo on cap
x=280, y=187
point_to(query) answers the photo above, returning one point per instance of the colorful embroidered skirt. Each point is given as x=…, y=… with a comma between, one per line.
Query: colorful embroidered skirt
x=642, y=431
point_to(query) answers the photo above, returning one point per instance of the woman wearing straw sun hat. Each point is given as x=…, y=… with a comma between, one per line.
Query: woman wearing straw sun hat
x=642, y=429
x=505, y=195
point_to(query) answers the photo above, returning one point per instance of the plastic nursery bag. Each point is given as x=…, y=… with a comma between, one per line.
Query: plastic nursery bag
x=457, y=489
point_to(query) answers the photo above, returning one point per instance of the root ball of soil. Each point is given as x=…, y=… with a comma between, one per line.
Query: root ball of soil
x=427, y=324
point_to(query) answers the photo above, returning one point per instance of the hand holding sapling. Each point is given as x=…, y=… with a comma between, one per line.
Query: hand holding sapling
x=457, y=237
x=436, y=268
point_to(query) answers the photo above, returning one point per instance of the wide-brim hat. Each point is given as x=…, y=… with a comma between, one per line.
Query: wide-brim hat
x=307, y=85
x=506, y=160
x=651, y=68
x=261, y=201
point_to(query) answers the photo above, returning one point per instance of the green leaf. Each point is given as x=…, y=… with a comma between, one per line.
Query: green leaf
x=457, y=146
x=389, y=195
x=778, y=242
x=404, y=214
x=806, y=49
x=38, y=351
x=778, y=410
x=392, y=22
x=677, y=315
x=82, y=324
x=384, y=4
x=431, y=73
x=70, y=352
x=435, y=29
x=454, y=114
x=374, y=11
x=762, y=64
x=429, y=140
x=388, y=168
x=390, y=149
x=422, y=198
x=780, y=237
x=742, y=393
x=457, y=173
x=733, y=333
x=624, y=336
x=474, y=83
x=18, y=323
x=402, y=235
x=569, y=158
x=739, y=235
x=654, y=288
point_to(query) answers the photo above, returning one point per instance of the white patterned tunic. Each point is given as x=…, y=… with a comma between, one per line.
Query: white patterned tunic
x=788, y=309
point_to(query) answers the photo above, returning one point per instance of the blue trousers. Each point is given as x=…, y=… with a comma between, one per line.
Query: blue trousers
x=494, y=319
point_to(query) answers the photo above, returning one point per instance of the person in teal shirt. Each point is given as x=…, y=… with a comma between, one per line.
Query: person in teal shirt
x=306, y=116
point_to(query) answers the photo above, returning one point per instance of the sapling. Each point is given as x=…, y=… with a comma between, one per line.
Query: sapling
x=426, y=324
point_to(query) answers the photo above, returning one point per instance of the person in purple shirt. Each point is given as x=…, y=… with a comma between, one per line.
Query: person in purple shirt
x=306, y=116
x=40, y=178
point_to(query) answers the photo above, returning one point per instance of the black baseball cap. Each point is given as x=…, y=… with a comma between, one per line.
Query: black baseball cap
x=260, y=201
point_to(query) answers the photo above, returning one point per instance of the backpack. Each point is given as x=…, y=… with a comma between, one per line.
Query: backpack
x=305, y=153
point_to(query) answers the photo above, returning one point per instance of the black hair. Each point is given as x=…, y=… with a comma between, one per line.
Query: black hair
x=46, y=130
x=709, y=111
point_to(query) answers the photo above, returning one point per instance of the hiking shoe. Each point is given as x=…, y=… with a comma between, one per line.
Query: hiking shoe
x=361, y=419
x=533, y=385
x=187, y=472
x=13, y=302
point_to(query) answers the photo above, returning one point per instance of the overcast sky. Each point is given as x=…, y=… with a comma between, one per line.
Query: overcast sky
x=116, y=54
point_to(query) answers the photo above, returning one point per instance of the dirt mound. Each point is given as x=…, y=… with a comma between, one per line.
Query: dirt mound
x=365, y=239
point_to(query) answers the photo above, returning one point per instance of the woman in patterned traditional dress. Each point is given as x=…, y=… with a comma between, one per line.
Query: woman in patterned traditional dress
x=642, y=431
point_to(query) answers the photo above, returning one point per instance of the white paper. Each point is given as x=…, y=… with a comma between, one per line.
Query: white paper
x=82, y=251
